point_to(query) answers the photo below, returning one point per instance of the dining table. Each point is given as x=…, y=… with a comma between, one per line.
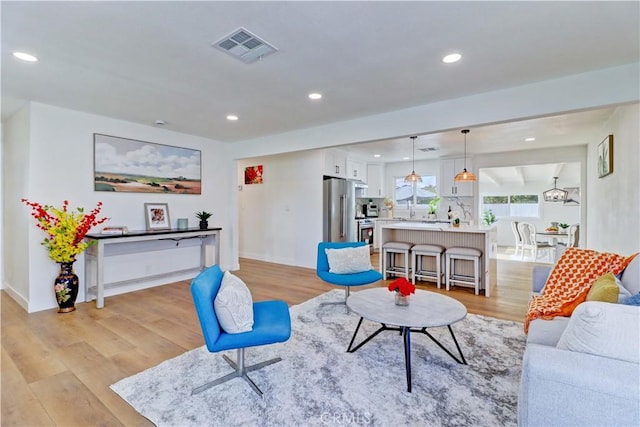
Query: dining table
x=553, y=236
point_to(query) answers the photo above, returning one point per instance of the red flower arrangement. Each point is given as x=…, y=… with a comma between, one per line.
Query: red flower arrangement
x=402, y=286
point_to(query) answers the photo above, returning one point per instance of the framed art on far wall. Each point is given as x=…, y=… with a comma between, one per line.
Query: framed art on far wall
x=573, y=196
x=156, y=216
x=605, y=157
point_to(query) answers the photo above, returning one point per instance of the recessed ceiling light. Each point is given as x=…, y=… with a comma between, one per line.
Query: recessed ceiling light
x=315, y=95
x=376, y=155
x=406, y=158
x=160, y=122
x=530, y=139
x=451, y=58
x=25, y=56
x=232, y=117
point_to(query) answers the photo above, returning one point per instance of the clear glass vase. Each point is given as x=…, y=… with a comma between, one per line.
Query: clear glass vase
x=402, y=299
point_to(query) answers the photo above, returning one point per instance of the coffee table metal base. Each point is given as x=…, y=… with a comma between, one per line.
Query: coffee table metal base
x=405, y=332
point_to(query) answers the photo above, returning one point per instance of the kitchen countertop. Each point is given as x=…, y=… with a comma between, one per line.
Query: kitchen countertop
x=421, y=226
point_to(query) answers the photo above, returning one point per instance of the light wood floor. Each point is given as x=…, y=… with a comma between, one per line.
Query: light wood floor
x=56, y=368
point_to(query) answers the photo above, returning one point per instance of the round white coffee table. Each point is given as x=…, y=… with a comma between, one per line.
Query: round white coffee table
x=425, y=310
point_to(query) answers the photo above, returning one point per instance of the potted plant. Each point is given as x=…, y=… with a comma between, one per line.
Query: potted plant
x=433, y=207
x=488, y=217
x=203, y=216
x=65, y=230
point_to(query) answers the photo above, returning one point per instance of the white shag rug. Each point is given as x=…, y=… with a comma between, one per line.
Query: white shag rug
x=319, y=384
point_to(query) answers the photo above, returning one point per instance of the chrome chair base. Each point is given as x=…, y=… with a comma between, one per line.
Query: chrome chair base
x=239, y=371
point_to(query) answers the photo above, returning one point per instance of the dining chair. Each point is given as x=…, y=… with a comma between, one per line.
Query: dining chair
x=529, y=242
x=271, y=324
x=574, y=236
x=517, y=236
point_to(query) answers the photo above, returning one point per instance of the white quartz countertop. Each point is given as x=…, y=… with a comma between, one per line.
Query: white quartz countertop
x=420, y=226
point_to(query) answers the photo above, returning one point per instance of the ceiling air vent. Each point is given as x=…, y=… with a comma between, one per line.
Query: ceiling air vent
x=245, y=46
x=427, y=149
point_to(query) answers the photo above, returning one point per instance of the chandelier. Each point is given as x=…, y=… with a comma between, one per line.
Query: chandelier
x=555, y=194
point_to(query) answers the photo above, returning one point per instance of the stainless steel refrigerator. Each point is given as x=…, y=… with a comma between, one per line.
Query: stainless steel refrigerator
x=339, y=211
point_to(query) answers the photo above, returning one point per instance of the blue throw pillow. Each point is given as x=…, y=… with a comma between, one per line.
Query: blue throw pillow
x=632, y=300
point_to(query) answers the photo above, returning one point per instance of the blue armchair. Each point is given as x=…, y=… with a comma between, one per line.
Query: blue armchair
x=346, y=280
x=271, y=324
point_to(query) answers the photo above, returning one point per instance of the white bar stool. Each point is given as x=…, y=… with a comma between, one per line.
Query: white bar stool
x=459, y=253
x=389, y=252
x=420, y=251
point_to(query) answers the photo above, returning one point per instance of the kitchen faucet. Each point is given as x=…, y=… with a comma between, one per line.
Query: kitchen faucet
x=412, y=211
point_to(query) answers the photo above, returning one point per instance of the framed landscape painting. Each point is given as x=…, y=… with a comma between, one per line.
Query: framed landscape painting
x=129, y=165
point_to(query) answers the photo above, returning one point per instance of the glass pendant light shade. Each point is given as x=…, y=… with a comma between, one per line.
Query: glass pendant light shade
x=555, y=194
x=465, y=176
x=413, y=176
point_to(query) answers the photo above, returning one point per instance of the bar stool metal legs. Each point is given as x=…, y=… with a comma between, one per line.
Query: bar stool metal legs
x=452, y=277
x=389, y=267
x=418, y=272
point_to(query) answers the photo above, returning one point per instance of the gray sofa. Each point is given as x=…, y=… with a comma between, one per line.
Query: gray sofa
x=564, y=387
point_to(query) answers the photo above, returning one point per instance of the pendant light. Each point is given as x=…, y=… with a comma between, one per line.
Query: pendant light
x=465, y=176
x=413, y=177
x=555, y=194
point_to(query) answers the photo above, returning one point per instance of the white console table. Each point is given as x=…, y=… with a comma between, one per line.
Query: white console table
x=106, y=245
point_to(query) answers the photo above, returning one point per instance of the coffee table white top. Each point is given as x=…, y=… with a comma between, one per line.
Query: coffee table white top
x=425, y=310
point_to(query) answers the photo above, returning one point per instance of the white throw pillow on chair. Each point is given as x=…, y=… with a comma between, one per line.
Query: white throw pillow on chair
x=234, y=305
x=349, y=260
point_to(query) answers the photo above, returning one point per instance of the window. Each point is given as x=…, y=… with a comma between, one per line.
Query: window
x=419, y=193
x=517, y=205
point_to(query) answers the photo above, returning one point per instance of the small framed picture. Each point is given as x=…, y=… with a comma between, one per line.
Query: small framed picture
x=156, y=216
x=605, y=157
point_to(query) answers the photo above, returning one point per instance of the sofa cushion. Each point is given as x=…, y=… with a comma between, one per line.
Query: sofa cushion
x=604, y=329
x=631, y=276
x=604, y=289
x=623, y=293
x=632, y=300
x=233, y=305
x=349, y=260
x=547, y=332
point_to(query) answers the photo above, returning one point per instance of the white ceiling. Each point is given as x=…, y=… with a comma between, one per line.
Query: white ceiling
x=143, y=61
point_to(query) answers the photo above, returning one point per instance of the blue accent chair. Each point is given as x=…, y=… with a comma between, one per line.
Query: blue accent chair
x=271, y=324
x=346, y=280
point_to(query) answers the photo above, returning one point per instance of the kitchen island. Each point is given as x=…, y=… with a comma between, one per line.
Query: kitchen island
x=478, y=237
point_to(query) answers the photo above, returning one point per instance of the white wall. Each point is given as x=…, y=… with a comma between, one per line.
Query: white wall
x=15, y=147
x=614, y=208
x=281, y=220
x=54, y=159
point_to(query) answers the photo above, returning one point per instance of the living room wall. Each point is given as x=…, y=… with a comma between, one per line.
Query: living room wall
x=614, y=209
x=278, y=220
x=49, y=157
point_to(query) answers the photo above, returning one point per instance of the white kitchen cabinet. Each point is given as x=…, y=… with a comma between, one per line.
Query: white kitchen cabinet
x=374, y=180
x=448, y=170
x=356, y=170
x=335, y=163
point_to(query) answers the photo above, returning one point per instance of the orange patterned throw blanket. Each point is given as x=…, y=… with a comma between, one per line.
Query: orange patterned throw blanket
x=570, y=281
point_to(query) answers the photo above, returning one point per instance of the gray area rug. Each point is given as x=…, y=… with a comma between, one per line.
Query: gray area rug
x=319, y=384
